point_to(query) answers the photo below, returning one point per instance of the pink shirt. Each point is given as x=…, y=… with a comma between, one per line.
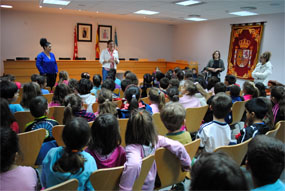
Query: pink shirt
x=114, y=159
x=20, y=178
x=135, y=154
x=52, y=104
x=189, y=101
x=154, y=108
x=247, y=97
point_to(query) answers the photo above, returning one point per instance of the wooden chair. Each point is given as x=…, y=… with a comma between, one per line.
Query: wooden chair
x=22, y=118
x=281, y=132
x=95, y=107
x=20, y=97
x=90, y=123
x=116, y=91
x=30, y=144
x=237, y=111
x=123, y=127
x=209, y=94
x=145, y=100
x=57, y=134
x=71, y=184
x=122, y=95
x=194, y=118
x=56, y=113
x=160, y=128
x=168, y=168
x=273, y=132
x=147, y=163
x=237, y=152
x=119, y=103
x=86, y=106
x=106, y=178
x=192, y=149
x=48, y=97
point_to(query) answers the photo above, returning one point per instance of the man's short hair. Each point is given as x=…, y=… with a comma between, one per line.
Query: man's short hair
x=234, y=90
x=220, y=87
x=221, y=105
x=231, y=79
x=258, y=106
x=164, y=82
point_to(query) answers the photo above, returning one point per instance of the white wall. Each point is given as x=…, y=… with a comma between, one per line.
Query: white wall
x=197, y=41
x=21, y=32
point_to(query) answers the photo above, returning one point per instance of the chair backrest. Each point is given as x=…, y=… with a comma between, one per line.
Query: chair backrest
x=30, y=144
x=192, y=149
x=160, y=128
x=48, y=97
x=107, y=178
x=122, y=95
x=194, y=117
x=123, y=127
x=168, y=168
x=95, y=106
x=90, y=123
x=58, y=114
x=22, y=118
x=147, y=163
x=145, y=100
x=71, y=184
x=237, y=152
x=281, y=132
x=57, y=134
x=19, y=97
x=116, y=91
x=273, y=132
x=237, y=111
x=118, y=103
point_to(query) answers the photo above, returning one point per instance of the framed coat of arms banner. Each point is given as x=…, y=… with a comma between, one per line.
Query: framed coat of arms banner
x=244, y=49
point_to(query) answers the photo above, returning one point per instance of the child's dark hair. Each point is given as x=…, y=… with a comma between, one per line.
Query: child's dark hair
x=159, y=75
x=34, y=77
x=190, y=87
x=125, y=83
x=173, y=93
x=234, y=91
x=265, y=158
x=147, y=79
x=73, y=85
x=30, y=90
x=201, y=80
x=217, y=171
x=60, y=92
x=9, y=147
x=169, y=74
x=176, y=70
x=261, y=88
x=72, y=103
x=140, y=129
x=8, y=89
x=63, y=75
x=156, y=96
x=258, y=106
x=112, y=73
x=38, y=106
x=126, y=72
x=174, y=82
x=75, y=135
x=278, y=92
x=9, y=77
x=109, y=84
x=268, y=118
x=85, y=75
x=164, y=82
x=105, y=134
x=105, y=102
x=188, y=74
x=97, y=80
x=220, y=87
x=84, y=86
x=180, y=75
x=231, y=79
x=7, y=118
x=212, y=81
x=221, y=105
x=132, y=94
x=249, y=88
x=44, y=43
x=172, y=115
x=131, y=76
x=41, y=80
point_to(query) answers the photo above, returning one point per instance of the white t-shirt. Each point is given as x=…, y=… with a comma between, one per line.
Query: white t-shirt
x=88, y=99
x=262, y=72
x=214, y=134
x=105, y=56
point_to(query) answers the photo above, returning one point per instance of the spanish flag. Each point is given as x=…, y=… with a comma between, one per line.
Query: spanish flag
x=97, y=47
x=75, y=47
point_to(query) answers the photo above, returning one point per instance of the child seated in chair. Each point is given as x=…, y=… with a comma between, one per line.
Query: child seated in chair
x=217, y=132
x=39, y=109
x=255, y=109
x=42, y=81
x=9, y=91
x=84, y=88
x=173, y=117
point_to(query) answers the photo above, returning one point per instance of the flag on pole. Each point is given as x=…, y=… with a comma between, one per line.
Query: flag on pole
x=116, y=39
x=75, y=47
x=97, y=47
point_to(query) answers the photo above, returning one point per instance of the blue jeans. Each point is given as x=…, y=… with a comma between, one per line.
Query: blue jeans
x=104, y=74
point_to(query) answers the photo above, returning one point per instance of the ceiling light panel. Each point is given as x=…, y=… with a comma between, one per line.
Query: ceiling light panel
x=146, y=12
x=186, y=3
x=243, y=13
x=56, y=2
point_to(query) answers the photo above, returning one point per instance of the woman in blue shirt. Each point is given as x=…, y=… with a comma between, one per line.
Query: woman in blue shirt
x=46, y=63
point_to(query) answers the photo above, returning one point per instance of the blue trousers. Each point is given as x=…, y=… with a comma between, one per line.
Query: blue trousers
x=104, y=74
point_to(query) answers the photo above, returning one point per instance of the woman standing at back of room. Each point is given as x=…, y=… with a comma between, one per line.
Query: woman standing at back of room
x=46, y=63
x=215, y=65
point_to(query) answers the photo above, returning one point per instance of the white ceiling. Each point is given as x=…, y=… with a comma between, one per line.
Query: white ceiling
x=169, y=12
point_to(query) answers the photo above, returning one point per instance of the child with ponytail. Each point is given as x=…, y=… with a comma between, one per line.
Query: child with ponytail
x=105, y=102
x=64, y=163
x=157, y=99
x=249, y=91
x=74, y=108
x=278, y=99
x=142, y=141
x=188, y=100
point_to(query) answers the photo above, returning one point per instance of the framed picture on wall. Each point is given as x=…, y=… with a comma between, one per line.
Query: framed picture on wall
x=84, y=32
x=105, y=33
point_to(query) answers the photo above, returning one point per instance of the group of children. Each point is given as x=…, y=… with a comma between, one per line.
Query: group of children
x=182, y=89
